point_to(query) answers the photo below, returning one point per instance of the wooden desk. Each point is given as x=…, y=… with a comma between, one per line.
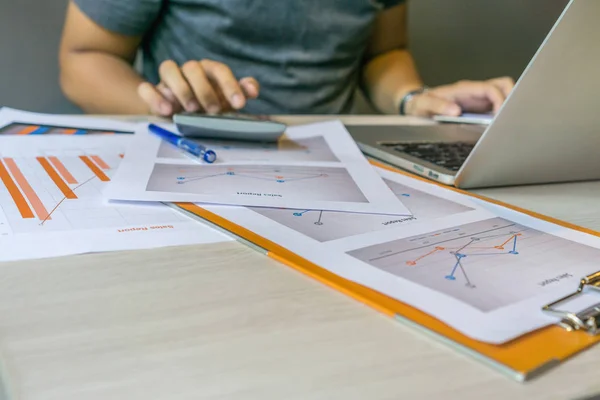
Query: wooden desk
x=225, y=322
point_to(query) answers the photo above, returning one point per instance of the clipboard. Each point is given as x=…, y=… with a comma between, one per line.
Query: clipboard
x=521, y=359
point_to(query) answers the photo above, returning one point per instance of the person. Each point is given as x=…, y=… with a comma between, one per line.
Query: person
x=257, y=57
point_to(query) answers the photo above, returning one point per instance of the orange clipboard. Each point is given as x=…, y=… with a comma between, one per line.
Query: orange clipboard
x=521, y=359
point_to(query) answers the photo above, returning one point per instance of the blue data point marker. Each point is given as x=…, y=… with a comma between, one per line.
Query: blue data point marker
x=230, y=173
x=180, y=178
x=450, y=278
x=280, y=181
x=297, y=214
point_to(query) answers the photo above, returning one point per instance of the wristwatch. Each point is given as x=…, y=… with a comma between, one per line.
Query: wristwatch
x=409, y=96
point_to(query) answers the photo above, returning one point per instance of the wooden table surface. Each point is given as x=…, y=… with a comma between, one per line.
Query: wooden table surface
x=223, y=321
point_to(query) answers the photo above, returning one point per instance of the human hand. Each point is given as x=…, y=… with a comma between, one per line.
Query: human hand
x=198, y=86
x=461, y=97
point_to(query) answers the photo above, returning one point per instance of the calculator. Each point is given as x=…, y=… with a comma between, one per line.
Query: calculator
x=230, y=126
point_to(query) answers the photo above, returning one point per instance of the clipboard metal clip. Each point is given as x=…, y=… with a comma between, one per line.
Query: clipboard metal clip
x=587, y=320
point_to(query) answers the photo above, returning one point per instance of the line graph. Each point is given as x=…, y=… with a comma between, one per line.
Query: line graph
x=329, y=225
x=62, y=170
x=315, y=183
x=59, y=188
x=49, y=215
x=58, y=181
x=276, y=176
x=52, y=203
x=310, y=149
x=43, y=183
x=468, y=250
x=318, y=222
x=488, y=264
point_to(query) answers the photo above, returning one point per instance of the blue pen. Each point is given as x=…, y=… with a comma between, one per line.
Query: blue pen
x=195, y=149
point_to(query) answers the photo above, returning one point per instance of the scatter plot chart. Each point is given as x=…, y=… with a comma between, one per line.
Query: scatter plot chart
x=330, y=225
x=313, y=149
x=488, y=264
x=310, y=183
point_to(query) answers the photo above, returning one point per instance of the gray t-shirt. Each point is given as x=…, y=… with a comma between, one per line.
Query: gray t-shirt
x=306, y=54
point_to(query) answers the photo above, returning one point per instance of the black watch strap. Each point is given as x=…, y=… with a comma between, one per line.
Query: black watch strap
x=407, y=97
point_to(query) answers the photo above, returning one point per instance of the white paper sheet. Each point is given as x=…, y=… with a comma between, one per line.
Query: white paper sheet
x=51, y=186
x=483, y=269
x=467, y=118
x=318, y=167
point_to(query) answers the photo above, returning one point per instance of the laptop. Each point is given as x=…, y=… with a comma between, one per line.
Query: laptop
x=547, y=131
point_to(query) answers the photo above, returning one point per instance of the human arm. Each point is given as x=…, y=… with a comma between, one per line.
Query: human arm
x=96, y=67
x=390, y=73
x=97, y=72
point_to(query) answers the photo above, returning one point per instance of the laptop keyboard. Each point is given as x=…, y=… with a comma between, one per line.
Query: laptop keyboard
x=447, y=155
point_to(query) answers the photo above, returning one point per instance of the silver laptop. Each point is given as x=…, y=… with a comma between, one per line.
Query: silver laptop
x=548, y=130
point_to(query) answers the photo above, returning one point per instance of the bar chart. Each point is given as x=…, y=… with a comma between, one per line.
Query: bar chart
x=24, y=129
x=59, y=189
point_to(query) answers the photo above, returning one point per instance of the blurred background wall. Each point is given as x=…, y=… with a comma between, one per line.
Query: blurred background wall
x=29, y=36
x=478, y=39
x=451, y=40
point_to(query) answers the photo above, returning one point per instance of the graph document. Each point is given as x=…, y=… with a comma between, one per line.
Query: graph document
x=51, y=199
x=60, y=189
x=480, y=268
x=488, y=264
x=308, y=149
x=326, y=225
x=315, y=183
x=316, y=167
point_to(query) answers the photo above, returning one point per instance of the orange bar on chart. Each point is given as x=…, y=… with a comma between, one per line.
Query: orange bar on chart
x=58, y=181
x=97, y=171
x=62, y=170
x=63, y=131
x=31, y=195
x=28, y=130
x=100, y=162
x=15, y=193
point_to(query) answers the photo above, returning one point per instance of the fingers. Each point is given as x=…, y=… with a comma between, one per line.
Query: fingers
x=197, y=85
x=172, y=76
x=427, y=105
x=250, y=86
x=222, y=76
x=493, y=94
x=473, y=96
x=201, y=87
x=157, y=103
x=167, y=93
x=505, y=84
